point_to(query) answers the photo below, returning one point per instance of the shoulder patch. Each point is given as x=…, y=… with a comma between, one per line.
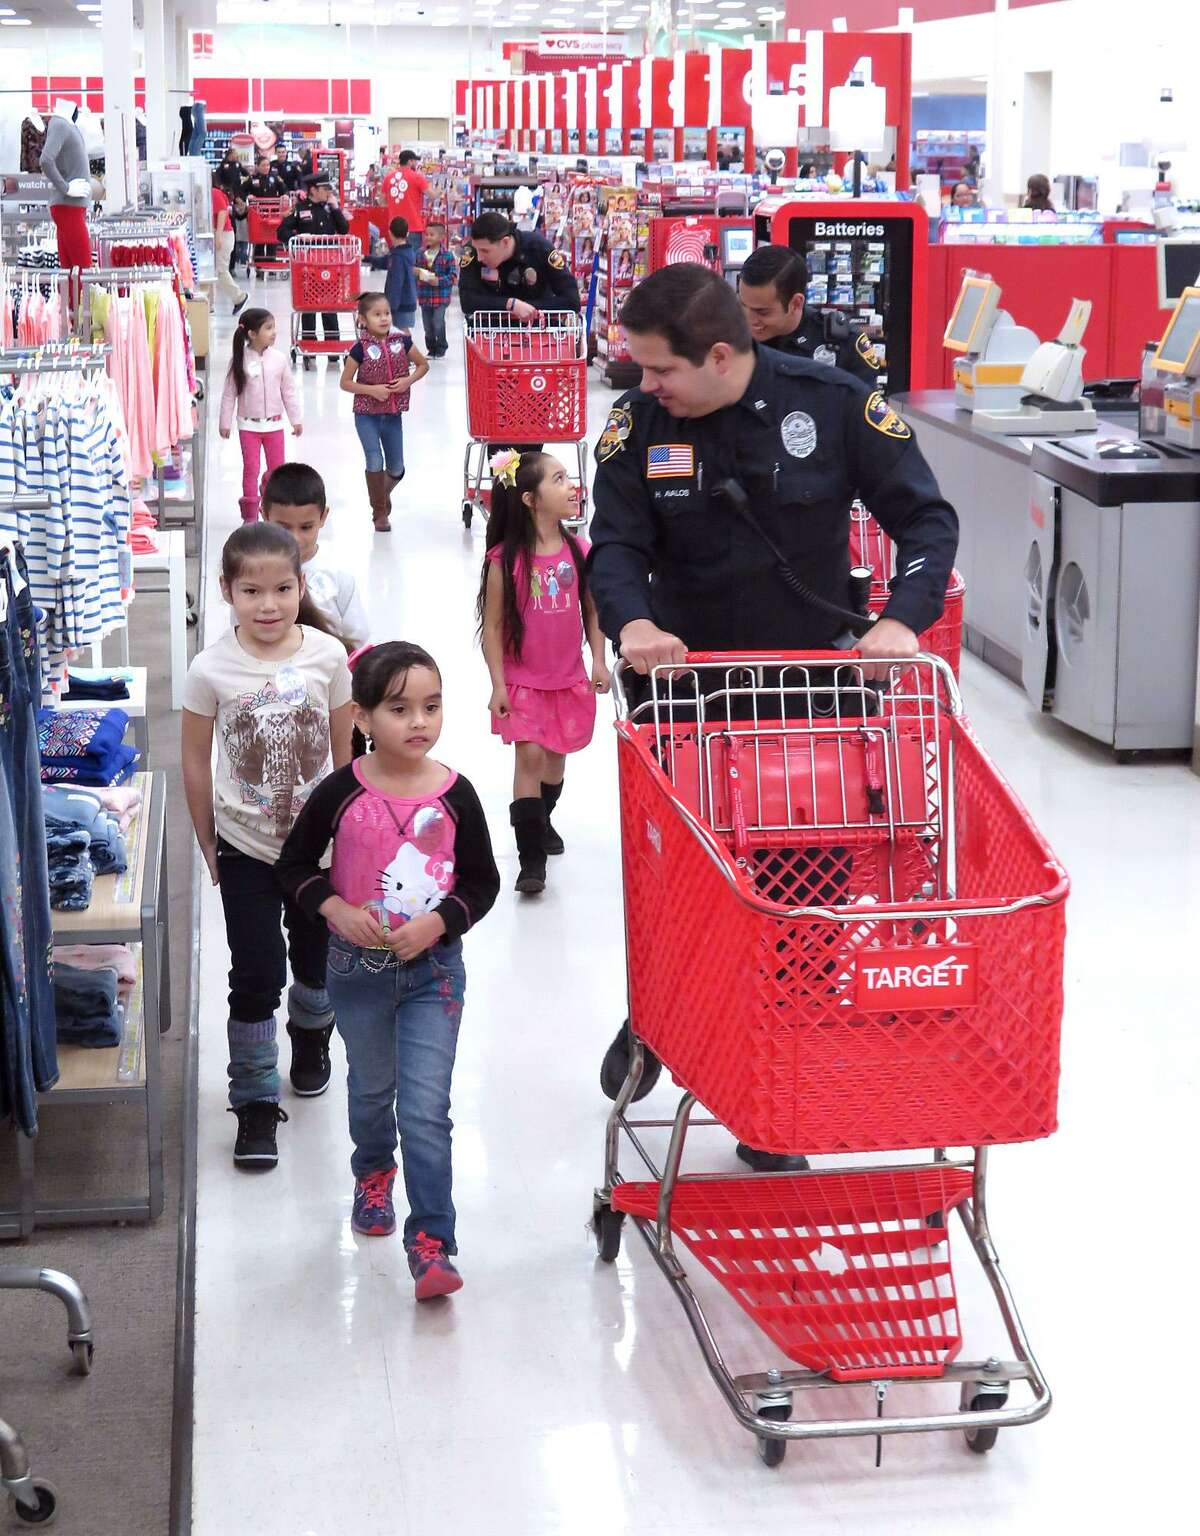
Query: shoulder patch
x=468, y=256
x=883, y=418
x=615, y=435
x=865, y=348
x=556, y=260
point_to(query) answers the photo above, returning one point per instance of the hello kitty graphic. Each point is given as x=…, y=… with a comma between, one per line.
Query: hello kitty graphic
x=414, y=882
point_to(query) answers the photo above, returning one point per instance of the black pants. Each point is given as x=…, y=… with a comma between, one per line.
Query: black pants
x=255, y=908
x=266, y=253
x=329, y=325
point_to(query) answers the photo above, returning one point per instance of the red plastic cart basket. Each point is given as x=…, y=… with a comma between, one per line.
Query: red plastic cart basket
x=263, y=218
x=525, y=384
x=326, y=278
x=871, y=547
x=845, y=937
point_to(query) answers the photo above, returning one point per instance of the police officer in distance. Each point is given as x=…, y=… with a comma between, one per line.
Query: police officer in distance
x=265, y=182
x=505, y=268
x=317, y=215
x=674, y=566
x=771, y=290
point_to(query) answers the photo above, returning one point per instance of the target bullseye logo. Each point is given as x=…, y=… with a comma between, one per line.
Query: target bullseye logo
x=538, y=383
x=326, y=275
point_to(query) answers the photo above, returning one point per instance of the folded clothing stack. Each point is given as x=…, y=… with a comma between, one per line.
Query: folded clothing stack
x=121, y=803
x=142, y=538
x=92, y=683
x=85, y=1002
x=84, y=746
x=69, y=867
x=68, y=809
x=99, y=957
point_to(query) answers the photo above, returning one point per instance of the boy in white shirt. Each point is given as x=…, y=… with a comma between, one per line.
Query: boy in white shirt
x=294, y=497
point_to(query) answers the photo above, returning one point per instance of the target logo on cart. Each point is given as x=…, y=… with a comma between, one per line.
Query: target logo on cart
x=538, y=383
x=929, y=976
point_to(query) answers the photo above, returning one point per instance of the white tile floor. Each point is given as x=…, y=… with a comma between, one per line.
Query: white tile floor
x=557, y=1395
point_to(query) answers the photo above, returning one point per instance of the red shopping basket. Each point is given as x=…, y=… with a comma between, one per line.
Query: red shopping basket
x=326, y=272
x=263, y=218
x=525, y=384
x=920, y=1005
x=871, y=547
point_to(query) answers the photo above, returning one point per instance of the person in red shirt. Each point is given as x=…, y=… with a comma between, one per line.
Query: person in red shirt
x=223, y=239
x=404, y=188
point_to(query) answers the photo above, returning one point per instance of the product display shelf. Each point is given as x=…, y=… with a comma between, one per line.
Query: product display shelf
x=130, y=908
x=134, y=706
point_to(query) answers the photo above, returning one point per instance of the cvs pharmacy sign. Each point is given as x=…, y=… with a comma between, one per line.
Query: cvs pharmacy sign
x=929, y=976
x=580, y=44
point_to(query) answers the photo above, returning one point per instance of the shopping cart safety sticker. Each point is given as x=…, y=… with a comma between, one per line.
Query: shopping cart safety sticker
x=654, y=836
x=928, y=976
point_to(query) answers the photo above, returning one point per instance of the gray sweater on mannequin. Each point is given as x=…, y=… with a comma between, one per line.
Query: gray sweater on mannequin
x=64, y=157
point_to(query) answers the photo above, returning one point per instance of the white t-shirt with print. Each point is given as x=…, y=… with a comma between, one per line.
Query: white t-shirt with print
x=272, y=730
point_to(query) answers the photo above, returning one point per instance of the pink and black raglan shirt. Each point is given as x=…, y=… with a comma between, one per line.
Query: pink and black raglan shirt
x=395, y=857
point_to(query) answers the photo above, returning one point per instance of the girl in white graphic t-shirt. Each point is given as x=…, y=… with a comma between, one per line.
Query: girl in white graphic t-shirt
x=276, y=690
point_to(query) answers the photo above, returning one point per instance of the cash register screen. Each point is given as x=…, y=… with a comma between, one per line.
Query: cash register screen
x=1177, y=345
x=970, y=302
x=736, y=245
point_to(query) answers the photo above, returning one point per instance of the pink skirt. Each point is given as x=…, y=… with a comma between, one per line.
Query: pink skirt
x=559, y=719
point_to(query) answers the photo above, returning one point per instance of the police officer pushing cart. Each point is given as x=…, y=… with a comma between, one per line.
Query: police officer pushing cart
x=317, y=215
x=508, y=269
x=722, y=509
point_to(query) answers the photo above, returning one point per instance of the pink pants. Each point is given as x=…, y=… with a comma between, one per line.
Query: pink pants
x=271, y=444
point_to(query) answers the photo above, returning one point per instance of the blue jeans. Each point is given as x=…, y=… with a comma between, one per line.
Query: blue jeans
x=400, y=1025
x=433, y=317
x=22, y=682
x=382, y=439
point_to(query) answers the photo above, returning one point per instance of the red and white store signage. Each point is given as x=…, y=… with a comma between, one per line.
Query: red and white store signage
x=929, y=976
x=202, y=45
x=578, y=45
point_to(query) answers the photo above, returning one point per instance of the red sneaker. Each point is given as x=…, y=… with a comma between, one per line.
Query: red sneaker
x=374, y=1214
x=431, y=1268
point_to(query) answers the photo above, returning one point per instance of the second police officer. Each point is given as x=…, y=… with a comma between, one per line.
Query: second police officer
x=771, y=289
x=515, y=271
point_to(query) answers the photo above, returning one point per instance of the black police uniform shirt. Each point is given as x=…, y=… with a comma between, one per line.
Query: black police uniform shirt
x=804, y=441
x=270, y=185
x=536, y=273
x=856, y=354
x=309, y=218
x=288, y=172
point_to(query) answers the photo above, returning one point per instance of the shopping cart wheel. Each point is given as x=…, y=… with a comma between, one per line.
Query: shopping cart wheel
x=981, y=1440
x=771, y=1452
x=468, y=512
x=607, y=1224
x=84, y=1352
x=46, y=1509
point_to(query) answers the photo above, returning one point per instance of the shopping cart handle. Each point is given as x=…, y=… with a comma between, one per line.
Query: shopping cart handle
x=763, y=658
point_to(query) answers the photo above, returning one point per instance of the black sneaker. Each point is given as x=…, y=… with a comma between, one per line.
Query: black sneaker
x=771, y=1162
x=255, y=1145
x=615, y=1067
x=310, y=1060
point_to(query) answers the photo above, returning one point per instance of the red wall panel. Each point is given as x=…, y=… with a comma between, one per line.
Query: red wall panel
x=223, y=94
x=360, y=96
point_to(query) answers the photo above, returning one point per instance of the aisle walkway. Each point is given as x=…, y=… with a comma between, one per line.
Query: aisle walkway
x=559, y=1397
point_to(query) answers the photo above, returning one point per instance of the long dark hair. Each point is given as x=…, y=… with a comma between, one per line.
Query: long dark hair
x=249, y=321
x=512, y=526
x=263, y=541
x=382, y=671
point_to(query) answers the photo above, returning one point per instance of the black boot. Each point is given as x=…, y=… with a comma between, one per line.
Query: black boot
x=615, y=1067
x=550, y=798
x=528, y=819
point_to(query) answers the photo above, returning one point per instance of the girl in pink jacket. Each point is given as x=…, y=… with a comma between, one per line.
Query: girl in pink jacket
x=259, y=388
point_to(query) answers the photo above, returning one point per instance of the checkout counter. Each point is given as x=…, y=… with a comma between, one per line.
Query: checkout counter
x=1081, y=556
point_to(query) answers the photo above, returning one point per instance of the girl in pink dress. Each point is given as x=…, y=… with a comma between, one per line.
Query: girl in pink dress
x=543, y=701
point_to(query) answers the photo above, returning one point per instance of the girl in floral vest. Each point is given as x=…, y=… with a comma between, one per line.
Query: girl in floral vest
x=381, y=369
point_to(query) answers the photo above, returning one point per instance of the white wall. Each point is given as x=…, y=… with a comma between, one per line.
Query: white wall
x=1108, y=61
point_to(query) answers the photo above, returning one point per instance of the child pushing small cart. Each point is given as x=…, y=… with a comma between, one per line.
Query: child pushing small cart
x=845, y=939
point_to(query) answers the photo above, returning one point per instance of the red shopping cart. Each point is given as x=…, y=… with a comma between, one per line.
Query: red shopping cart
x=263, y=218
x=525, y=384
x=326, y=279
x=845, y=937
x=870, y=547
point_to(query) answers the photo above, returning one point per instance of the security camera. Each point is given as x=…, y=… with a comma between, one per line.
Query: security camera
x=774, y=160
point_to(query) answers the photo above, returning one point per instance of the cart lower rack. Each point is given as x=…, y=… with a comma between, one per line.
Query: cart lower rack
x=888, y=981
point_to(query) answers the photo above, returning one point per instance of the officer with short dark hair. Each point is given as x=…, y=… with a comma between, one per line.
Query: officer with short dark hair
x=680, y=563
x=771, y=289
x=317, y=215
x=508, y=269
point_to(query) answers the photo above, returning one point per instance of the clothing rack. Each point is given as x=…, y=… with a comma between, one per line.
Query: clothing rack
x=54, y=357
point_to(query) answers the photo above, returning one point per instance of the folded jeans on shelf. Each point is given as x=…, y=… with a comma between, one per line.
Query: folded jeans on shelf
x=98, y=957
x=85, y=1003
x=65, y=806
x=71, y=878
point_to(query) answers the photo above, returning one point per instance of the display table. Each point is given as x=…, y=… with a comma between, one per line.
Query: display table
x=134, y=706
x=130, y=908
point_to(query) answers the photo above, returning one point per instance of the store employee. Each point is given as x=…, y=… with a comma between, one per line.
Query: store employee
x=675, y=567
x=771, y=290
x=505, y=268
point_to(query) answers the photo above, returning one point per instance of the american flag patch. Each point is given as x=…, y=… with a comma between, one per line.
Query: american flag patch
x=670, y=459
